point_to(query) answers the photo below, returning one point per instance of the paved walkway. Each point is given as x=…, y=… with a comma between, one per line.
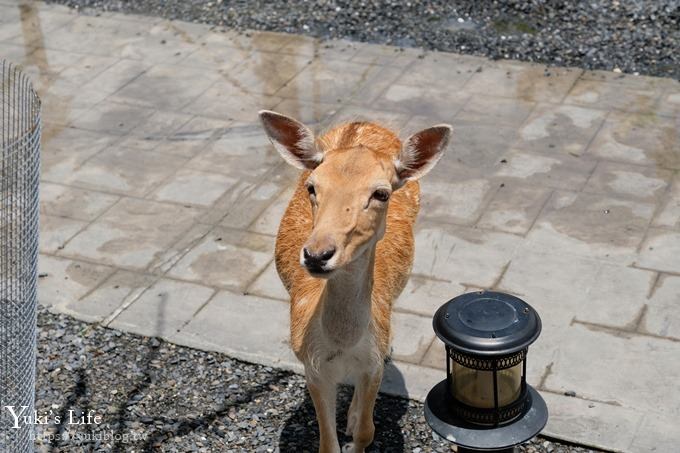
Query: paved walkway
x=161, y=198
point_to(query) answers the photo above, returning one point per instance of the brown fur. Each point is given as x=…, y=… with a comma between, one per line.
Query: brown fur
x=394, y=253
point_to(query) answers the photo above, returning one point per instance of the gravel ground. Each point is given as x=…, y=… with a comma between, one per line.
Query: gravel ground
x=633, y=36
x=151, y=395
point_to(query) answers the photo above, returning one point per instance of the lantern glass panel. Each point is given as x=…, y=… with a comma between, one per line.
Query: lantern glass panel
x=475, y=387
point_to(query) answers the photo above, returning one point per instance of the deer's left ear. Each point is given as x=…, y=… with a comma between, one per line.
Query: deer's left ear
x=292, y=139
x=421, y=152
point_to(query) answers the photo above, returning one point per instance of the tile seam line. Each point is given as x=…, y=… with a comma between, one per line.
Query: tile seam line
x=133, y=296
x=147, y=273
x=571, y=87
x=86, y=226
x=87, y=188
x=614, y=329
x=660, y=204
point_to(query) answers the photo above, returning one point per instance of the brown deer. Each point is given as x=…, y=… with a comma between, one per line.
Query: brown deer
x=344, y=251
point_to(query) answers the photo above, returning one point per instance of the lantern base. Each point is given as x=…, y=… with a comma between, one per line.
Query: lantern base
x=444, y=422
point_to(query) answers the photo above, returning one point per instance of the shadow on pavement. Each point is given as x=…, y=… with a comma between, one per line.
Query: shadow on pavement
x=300, y=433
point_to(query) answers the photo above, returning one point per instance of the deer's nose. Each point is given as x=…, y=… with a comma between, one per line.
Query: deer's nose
x=316, y=259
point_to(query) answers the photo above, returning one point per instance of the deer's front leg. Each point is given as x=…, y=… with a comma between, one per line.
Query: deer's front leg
x=324, y=397
x=361, y=411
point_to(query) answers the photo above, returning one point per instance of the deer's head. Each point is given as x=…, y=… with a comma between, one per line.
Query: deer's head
x=354, y=170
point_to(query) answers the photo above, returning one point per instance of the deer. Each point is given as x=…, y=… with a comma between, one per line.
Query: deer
x=344, y=252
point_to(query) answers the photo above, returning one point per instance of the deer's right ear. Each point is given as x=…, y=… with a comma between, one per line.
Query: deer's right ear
x=292, y=139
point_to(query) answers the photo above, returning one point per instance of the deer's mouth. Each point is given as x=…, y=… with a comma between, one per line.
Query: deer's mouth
x=318, y=271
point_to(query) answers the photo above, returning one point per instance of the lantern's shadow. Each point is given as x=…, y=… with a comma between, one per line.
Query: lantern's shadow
x=300, y=433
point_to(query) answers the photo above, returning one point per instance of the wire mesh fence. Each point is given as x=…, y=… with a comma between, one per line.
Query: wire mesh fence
x=19, y=175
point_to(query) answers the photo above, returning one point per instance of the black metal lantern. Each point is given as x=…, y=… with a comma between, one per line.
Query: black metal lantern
x=485, y=402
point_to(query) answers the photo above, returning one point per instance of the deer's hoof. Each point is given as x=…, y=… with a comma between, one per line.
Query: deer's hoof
x=350, y=448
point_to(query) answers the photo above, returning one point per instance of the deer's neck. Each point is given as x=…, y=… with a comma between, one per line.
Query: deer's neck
x=346, y=302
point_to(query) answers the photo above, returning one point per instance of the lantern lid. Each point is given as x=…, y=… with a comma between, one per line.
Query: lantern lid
x=487, y=323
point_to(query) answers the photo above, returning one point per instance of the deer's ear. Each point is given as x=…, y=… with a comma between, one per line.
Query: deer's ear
x=421, y=152
x=292, y=139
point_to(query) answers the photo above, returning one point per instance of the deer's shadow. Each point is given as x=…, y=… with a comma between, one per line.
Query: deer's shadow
x=300, y=433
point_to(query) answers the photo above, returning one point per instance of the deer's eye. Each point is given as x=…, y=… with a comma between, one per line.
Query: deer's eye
x=381, y=195
x=310, y=189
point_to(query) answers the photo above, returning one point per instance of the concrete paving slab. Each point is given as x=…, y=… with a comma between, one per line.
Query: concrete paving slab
x=668, y=215
x=481, y=109
x=663, y=314
x=474, y=145
x=230, y=317
x=514, y=208
x=442, y=71
x=66, y=281
x=159, y=127
x=132, y=233
x=638, y=139
x=226, y=259
x=151, y=88
x=99, y=304
x=65, y=149
x=423, y=295
x=523, y=81
x=241, y=152
x=596, y=226
x=194, y=187
x=598, y=424
x=630, y=181
x=612, y=96
x=331, y=80
x=125, y=171
x=660, y=250
x=562, y=129
x=231, y=101
x=112, y=118
x=608, y=379
x=421, y=100
x=463, y=255
x=163, y=309
x=191, y=138
x=413, y=336
x=57, y=231
x=460, y=201
x=558, y=171
x=78, y=204
x=268, y=284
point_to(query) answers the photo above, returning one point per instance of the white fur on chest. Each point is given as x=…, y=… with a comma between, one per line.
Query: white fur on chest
x=335, y=358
